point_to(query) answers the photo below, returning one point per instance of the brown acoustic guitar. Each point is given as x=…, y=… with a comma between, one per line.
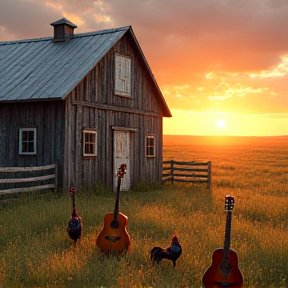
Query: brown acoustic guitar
x=114, y=238
x=224, y=270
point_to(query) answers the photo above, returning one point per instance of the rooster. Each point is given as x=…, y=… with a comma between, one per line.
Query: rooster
x=172, y=253
x=74, y=228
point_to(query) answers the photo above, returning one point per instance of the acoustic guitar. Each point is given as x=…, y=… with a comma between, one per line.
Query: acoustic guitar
x=114, y=238
x=74, y=228
x=224, y=270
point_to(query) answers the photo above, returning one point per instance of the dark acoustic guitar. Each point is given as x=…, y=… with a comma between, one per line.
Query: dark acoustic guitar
x=114, y=238
x=224, y=270
x=74, y=228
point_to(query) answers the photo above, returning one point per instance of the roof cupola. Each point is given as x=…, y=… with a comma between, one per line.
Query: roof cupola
x=63, y=30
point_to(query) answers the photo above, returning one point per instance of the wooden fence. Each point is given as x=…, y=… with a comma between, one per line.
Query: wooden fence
x=23, y=175
x=190, y=172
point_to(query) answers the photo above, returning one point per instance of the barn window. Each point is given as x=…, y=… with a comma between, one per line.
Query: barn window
x=90, y=143
x=27, y=141
x=150, y=145
x=122, y=75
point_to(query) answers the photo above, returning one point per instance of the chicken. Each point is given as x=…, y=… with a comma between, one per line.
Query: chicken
x=74, y=228
x=172, y=253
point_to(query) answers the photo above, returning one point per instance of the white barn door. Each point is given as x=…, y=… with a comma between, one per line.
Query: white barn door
x=122, y=156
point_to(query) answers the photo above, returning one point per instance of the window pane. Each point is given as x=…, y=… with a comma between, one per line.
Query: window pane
x=30, y=147
x=89, y=143
x=27, y=141
x=86, y=149
x=24, y=135
x=150, y=145
x=30, y=135
x=24, y=147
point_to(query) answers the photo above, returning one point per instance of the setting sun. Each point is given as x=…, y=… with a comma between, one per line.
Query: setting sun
x=221, y=123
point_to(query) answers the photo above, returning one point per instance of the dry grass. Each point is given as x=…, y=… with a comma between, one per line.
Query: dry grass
x=35, y=250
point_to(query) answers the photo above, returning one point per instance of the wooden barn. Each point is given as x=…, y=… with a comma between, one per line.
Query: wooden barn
x=88, y=102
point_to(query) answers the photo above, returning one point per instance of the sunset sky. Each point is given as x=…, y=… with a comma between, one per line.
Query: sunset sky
x=212, y=59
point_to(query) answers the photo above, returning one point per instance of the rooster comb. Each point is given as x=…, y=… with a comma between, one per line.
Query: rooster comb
x=175, y=238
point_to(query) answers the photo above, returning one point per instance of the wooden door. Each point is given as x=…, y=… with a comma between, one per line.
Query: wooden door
x=122, y=156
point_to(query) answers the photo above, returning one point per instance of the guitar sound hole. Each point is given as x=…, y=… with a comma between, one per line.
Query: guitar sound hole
x=114, y=224
x=225, y=268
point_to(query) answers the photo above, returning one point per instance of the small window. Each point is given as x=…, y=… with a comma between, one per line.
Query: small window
x=27, y=141
x=150, y=145
x=122, y=75
x=90, y=143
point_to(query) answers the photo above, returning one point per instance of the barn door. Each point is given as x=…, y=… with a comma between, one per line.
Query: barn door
x=122, y=156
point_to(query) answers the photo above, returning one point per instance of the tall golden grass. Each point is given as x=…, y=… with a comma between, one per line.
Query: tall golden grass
x=35, y=250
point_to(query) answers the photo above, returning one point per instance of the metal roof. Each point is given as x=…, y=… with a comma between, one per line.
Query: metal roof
x=38, y=69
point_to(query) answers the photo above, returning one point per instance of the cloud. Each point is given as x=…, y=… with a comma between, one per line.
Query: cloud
x=225, y=54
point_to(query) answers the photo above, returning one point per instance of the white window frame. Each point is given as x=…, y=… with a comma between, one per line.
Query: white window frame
x=148, y=146
x=87, y=131
x=21, y=141
x=123, y=79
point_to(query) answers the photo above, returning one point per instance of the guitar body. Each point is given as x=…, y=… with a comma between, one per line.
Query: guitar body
x=114, y=240
x=214, y=278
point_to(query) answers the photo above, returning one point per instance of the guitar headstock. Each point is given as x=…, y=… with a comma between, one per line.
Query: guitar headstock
x=72, y=191
x=121, y=171
x=229, y=202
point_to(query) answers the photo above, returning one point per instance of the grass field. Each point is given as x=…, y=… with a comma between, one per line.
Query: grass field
x=35, y=250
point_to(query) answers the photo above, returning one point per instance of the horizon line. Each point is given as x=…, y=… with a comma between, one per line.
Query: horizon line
x=199, y=135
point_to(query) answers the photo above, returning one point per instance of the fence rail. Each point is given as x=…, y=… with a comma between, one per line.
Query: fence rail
x=189, y=172
x=24, y=176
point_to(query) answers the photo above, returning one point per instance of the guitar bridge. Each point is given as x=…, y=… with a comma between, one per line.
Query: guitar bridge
x=225, y=284
x=112, y=238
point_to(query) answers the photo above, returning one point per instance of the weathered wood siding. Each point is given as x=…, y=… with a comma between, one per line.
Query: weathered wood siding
x=93, y=104
x=48, y=118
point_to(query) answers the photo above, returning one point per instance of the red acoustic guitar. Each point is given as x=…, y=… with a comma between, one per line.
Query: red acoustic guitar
x=114, y=238
x=224, y=270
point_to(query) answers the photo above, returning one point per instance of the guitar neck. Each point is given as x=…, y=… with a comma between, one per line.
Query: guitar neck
x=227, y=235
x=116, y=209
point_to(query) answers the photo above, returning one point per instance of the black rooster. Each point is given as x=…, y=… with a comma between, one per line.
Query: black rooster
x=172, y=253
x=74, y=228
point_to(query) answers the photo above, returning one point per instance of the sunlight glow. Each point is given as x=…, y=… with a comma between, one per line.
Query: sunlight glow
x=74, y=18
x=221, y=123
x=55, y=6
x=280, y=71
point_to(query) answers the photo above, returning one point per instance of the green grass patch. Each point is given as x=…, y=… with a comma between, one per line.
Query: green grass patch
x=35, y=250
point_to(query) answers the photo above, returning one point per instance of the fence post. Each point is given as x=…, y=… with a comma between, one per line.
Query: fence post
x=56, y=176
x=209, y=175
x=172, y=168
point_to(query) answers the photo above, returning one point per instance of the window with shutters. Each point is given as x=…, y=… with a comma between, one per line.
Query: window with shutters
x=89, y=143
x=150, y=146
x=122, y=75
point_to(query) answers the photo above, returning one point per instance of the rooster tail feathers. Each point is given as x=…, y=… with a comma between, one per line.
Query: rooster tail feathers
x=155, y=250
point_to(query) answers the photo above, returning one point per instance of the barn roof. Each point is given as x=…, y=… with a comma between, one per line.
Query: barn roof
x=38, y=69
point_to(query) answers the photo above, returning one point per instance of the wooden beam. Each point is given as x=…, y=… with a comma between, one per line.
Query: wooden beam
x=114, y=108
